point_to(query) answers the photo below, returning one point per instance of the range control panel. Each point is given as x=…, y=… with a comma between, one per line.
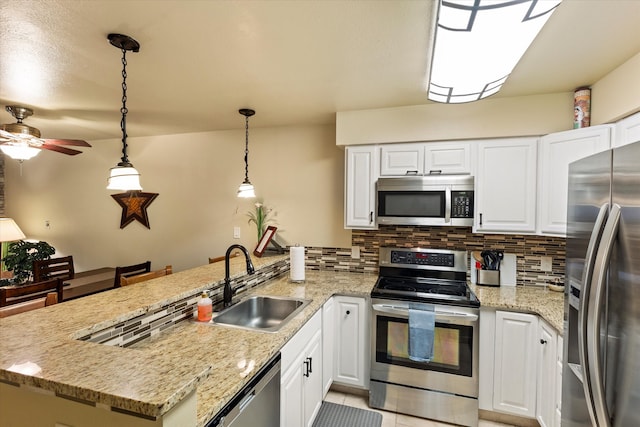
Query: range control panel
x=434, y=259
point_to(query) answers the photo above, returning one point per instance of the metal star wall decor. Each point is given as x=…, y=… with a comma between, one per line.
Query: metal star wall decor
x=134, y=207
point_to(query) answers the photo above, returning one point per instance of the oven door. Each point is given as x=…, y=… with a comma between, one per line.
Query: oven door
x=454, y=366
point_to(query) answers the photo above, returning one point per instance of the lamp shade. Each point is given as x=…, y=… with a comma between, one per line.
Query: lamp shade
x=124, y=178
x=9, y=230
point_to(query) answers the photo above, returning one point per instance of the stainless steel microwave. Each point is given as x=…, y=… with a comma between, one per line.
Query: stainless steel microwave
x=426, y=200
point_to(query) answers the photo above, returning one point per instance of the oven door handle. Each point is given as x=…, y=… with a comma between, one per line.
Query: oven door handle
x=440, y=315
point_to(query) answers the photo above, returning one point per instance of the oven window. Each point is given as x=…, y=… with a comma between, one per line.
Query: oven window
x=452, y=346
x=425, y=204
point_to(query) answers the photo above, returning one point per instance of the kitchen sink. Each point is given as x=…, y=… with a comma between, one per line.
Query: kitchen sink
x=261, y=313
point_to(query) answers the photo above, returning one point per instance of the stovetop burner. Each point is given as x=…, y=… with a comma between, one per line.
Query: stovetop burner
x=404, y=275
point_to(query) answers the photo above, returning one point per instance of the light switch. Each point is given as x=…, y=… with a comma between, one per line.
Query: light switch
x=546, y=263
x=236, y=232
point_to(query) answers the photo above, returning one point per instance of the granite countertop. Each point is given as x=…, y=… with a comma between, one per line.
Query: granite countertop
x=153, y=375
x=534, y=299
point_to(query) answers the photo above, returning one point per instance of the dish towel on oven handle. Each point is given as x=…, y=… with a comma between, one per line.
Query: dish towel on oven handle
x=422, y=322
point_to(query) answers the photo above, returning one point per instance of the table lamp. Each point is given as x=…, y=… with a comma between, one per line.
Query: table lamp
x=9, y=232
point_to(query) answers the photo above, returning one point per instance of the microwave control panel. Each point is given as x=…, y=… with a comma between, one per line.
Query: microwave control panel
x=462, y=204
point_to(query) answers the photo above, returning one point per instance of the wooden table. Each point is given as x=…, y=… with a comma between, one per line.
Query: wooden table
x=89, y=282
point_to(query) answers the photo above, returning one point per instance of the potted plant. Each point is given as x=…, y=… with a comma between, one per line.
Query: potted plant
x=20, y=257
x=260, y=218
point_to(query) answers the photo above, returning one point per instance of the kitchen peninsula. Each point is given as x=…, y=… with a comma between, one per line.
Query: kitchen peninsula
x=181, y=376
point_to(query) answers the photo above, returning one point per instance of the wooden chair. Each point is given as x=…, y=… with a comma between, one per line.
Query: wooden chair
x=221, y=258
x=19, y=294
x=10, y=310
x=53, y=268
x=124, y=281
x=131, y=270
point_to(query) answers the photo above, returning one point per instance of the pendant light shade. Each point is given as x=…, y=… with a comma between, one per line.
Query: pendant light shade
x=246, y=189
x=124, y=177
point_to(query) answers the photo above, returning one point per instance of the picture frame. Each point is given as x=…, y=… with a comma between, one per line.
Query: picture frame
x=264, y=241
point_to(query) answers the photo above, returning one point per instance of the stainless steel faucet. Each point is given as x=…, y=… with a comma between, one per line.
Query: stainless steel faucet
x=228, y=291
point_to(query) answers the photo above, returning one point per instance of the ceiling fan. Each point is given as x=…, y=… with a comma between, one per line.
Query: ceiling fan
x=21, y=142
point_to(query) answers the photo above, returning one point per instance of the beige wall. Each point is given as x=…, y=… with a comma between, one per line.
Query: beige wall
x=297, y=171
x=617, y=94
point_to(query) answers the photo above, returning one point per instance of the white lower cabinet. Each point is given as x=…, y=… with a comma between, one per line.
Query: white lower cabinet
x=546, y=384
x=328, y=337
x=351, y=366
x=520, y=366
x=301, y=380
x=514, y=387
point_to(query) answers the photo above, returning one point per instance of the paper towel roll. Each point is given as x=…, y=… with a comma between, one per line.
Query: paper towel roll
x=296, y=259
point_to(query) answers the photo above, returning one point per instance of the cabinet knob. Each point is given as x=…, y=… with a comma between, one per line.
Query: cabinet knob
x=348, y=312
x=543, y=341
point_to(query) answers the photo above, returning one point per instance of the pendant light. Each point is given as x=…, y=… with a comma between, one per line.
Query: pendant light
x=124, y=176
x=246, y=188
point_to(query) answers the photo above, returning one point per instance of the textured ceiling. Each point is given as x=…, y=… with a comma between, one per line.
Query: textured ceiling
x=294, y=62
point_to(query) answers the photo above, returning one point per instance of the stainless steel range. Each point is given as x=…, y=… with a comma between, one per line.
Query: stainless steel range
x=446, y=387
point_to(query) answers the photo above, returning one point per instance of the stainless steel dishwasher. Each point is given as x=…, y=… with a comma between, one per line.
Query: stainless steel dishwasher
x=257, y=404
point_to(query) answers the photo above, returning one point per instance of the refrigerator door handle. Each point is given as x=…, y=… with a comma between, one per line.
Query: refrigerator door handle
x=583, y=311
x=596, y=306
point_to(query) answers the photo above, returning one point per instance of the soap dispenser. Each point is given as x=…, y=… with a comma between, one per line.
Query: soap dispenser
x=205, y=308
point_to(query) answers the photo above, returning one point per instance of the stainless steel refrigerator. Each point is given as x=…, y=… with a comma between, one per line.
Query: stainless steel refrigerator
x=601, y=370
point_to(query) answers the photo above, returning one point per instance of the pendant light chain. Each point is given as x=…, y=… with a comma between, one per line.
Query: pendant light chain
x=246, y=149
x=124, y=110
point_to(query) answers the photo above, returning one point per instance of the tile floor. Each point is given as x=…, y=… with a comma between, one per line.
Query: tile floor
x=390, y=419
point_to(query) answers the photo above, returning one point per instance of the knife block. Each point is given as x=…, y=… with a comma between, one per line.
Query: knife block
x=488, y=277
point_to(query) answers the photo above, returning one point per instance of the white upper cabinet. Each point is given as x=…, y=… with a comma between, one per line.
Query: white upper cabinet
x=425, y=158
x=627, y=131
x=505, y=185
x=556, y=152
x=401, y=159
x=361, y=174
x=448, y=158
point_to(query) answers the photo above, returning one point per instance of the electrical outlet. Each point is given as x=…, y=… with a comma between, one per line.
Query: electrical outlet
x=355, y=252
x=236, y=232
x=546, y=263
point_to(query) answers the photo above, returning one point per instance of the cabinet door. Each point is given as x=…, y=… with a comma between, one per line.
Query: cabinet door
x=447, y=158
x=506, y=186
x=351, y=367
x=360, y=197
x=558, y=405
x=556, y=151
x=291, y=395
x=546, y=384
x=514, y=387
x=328, y=337
x=401, y=159
x=627, y=131
x=312, y=379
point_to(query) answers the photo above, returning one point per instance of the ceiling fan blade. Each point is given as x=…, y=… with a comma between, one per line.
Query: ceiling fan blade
x=59, y=149
x=75, y=142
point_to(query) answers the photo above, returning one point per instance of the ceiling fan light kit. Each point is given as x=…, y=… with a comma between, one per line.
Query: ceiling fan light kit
x=479, y=42
x=124, y=176
x=246, y=189
x=22, y=142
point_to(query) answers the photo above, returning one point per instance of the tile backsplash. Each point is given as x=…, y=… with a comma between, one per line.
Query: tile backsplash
x=531, y=252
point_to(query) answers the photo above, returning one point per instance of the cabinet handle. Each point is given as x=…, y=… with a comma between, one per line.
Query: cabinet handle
x=306, y=368
x=310, y=359
x=481, y=220
x=435, y=172
x=543, y=341
x=371, y=217
x=411, y=172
